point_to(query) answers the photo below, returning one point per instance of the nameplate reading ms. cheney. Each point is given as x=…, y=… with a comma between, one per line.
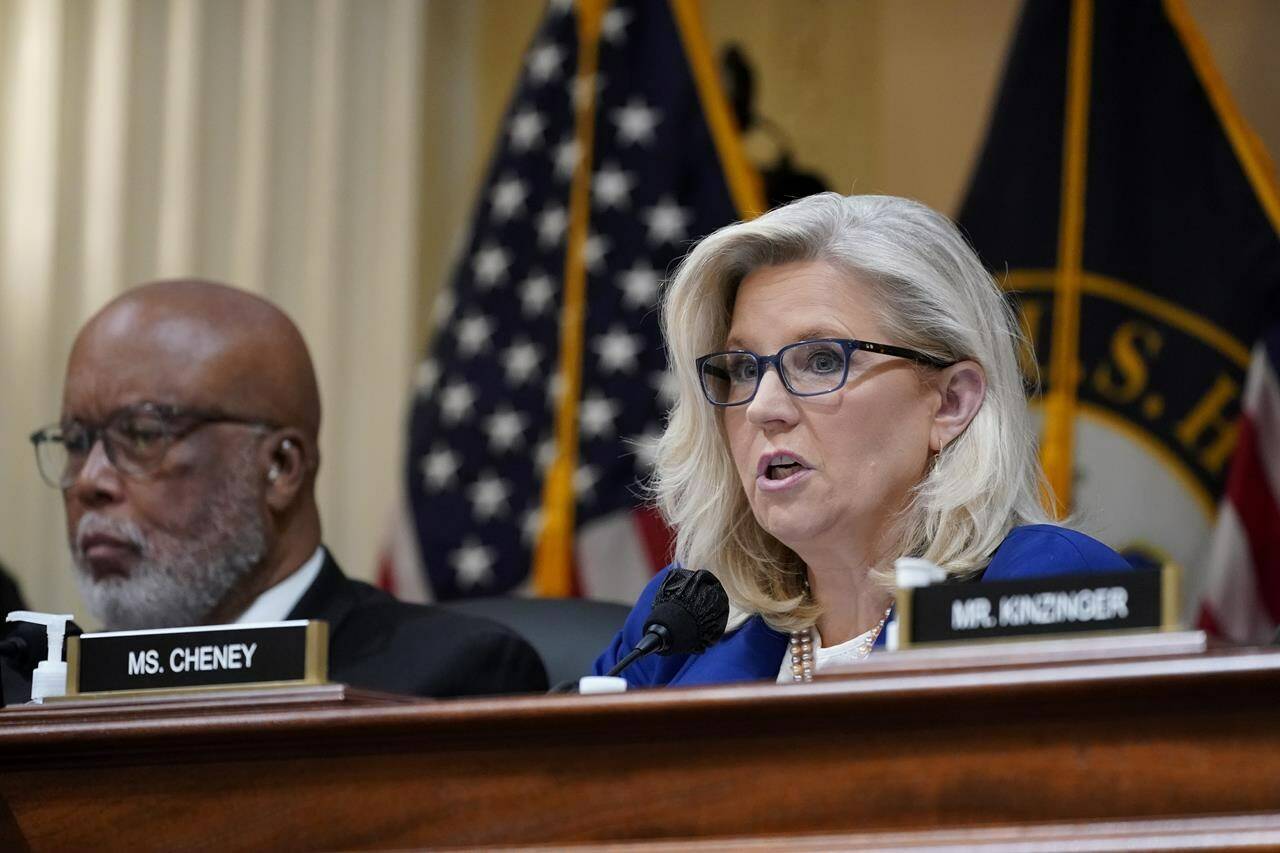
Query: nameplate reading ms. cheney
x=211, y=656
x=1068, y=604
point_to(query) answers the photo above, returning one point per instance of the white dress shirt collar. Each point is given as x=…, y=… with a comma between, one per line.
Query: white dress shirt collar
x=275, y=604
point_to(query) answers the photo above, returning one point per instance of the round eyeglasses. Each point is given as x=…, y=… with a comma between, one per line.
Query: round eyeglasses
x=806, y=368
x=135, y=439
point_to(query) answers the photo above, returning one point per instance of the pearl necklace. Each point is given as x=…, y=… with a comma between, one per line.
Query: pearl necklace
x=802, y=657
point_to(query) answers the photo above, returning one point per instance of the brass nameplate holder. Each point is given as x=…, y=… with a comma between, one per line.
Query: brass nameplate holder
x=1092, y=602
x=208, y=657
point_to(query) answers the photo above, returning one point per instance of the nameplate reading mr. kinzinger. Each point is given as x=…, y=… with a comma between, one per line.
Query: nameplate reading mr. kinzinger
x=1067, y=604
x=212, y=656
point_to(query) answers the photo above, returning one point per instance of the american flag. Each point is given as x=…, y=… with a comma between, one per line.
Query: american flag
x=1242, y=602
x=483, y=425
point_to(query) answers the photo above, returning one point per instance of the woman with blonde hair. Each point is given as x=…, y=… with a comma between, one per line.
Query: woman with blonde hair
x=848, y=393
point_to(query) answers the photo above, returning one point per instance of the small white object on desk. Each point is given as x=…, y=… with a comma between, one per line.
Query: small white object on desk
x=590, y=684
x=912, y=572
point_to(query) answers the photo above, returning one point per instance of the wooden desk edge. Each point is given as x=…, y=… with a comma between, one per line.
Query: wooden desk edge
x=22, y=729
x=1218, y=832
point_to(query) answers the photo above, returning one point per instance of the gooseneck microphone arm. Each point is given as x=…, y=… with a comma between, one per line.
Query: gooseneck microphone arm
x=656, y=638
x=690, y=612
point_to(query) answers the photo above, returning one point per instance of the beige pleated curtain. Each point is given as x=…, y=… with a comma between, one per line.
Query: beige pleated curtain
x=274, y=145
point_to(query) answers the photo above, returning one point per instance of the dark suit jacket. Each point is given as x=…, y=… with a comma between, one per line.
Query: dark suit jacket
x=15, y=682
x=381, y=643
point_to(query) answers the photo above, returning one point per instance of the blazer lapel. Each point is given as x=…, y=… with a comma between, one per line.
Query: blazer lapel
x=329, y=597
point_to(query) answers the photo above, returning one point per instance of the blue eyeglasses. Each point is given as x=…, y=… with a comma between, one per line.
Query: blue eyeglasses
x=806, y=368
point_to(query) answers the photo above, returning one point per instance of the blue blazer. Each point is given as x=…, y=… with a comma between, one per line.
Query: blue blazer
x=754, y=651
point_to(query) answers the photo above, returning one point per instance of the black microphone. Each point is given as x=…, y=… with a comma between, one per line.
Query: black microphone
x=690, y=612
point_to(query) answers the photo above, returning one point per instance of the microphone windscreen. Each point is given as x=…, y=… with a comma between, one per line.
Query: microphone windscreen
x=694, y=609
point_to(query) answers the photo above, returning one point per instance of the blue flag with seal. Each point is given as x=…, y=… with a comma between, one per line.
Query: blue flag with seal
x=1135, y=219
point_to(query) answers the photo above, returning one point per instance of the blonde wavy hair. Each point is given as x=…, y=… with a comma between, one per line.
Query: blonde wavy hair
x=934, y=296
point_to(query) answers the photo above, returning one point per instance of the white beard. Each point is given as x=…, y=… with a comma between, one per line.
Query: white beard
x=178, y=581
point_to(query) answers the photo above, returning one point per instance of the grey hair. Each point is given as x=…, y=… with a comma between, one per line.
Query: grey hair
x=934, y=296
x=181, y=577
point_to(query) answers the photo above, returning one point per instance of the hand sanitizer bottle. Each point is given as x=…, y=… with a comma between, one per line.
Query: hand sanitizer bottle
x=50, y=677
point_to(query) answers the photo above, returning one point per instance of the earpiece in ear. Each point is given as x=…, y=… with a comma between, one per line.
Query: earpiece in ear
x=274, y=473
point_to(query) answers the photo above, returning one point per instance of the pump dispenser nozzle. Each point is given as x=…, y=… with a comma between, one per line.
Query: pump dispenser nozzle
x=50, y=677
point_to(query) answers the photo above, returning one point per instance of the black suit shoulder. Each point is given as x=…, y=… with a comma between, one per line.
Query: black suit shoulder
x=430, y=651
x=381, y=643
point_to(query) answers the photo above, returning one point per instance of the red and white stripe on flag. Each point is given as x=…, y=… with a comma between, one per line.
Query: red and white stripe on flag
x=618, y=554
x=1242, y=598
x=400, y=570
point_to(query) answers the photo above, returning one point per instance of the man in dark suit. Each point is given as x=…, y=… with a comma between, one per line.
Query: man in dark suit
x=187, y=455
x=379, y=642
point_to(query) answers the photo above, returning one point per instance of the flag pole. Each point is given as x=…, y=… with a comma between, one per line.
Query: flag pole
x=1249, y=150
x=742, y=177
x=553, y=558
x=1058, y=448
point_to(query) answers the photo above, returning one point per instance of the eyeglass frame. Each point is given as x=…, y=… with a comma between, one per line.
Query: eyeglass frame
x=167, y=414
x=849, y=345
